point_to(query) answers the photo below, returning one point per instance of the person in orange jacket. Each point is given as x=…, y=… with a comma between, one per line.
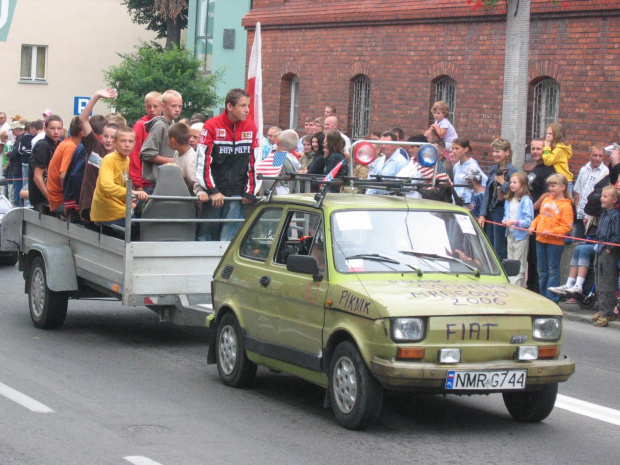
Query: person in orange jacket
x=555, y=218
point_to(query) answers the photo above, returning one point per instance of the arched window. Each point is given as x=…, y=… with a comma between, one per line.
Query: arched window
x=545, y=106
x=360, y=106
x=294, y=112
x=445, y=90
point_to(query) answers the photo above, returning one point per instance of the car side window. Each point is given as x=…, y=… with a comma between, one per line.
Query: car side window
x=302, y=234
x=257, y=242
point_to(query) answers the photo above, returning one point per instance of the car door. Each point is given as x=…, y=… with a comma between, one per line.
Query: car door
x=294, y=303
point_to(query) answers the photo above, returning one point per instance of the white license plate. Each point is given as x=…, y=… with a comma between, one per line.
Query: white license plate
x=486, y=380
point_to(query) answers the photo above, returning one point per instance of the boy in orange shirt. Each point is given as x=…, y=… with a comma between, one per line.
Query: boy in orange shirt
x=59, y=165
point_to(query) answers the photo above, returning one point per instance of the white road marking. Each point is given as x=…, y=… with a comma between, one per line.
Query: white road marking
x=588, y=409
x=23, y=400
x=139, y=460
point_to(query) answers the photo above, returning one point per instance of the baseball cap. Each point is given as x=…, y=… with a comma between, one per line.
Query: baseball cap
x=474, y=174
x=17, y=125
x=48, y=112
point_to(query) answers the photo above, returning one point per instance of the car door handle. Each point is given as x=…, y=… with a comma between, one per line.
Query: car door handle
x=265, y=280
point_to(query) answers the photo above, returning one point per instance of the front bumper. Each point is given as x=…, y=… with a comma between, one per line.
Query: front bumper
x=432, y=376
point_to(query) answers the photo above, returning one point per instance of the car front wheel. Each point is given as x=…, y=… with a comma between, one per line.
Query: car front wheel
x=232, y=362
x=355, y=395
x=531, y=406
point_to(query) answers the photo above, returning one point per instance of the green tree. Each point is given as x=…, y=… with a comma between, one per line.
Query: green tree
x=166, y=17
x=153, y=68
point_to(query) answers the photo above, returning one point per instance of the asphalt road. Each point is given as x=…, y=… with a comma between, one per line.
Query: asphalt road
x=122, y=388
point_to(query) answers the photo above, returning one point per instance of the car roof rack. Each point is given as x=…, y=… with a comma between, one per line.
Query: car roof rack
x=397, y=185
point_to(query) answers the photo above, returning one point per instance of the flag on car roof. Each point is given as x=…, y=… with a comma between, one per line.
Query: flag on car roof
x=334, y=172
x=272, y=165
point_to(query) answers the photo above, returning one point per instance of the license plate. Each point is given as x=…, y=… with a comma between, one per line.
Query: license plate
x=486, y=380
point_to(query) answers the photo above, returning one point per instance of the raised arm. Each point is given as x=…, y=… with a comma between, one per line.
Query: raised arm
x=85, y=115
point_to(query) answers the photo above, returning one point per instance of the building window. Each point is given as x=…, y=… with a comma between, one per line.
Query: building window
x=34, y=63
x=294, y=113
x=545, y=106
x=445, y=90
x=360, y=107
x=203, y=49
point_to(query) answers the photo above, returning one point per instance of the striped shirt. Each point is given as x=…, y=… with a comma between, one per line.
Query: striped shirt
x=584, y=186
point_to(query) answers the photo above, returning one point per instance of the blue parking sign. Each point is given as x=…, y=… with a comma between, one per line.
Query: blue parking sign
x=78, y=105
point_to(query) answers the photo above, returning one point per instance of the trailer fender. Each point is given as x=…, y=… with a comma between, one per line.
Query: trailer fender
x=59, y=266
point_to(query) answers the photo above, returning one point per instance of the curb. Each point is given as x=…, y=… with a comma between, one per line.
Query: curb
x=585, y=316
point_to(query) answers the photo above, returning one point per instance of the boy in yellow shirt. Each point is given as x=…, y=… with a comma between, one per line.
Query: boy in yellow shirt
x=109, y=199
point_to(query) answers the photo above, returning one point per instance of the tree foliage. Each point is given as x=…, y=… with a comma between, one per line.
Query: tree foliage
x=165, y=17
x=153, y=68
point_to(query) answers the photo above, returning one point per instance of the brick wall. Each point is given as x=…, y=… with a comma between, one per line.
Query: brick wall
x=402, y=46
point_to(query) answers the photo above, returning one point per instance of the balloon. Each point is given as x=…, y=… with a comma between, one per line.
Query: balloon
x=365, y=153
x=428, y=155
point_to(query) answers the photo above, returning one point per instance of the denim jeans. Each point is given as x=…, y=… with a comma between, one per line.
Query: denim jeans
x=583, y=255
x=219, y=231
x=549, y=257
x=17, y=187
x=497, y=234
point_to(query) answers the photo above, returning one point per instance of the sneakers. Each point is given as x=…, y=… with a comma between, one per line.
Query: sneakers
x=571, y=301
x=559, y=290
x=574, y=290
x=602, y=322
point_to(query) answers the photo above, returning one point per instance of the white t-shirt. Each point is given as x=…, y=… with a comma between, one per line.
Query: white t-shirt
x=450, y=133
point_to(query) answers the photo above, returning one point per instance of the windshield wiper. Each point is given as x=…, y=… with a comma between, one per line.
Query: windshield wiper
x=376, y=257
x=441, y=257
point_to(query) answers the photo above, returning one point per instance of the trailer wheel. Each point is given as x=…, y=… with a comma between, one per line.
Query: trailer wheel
x=9, y=260
x=48, y=309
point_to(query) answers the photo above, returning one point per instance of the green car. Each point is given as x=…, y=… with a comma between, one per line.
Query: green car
x=362, y=293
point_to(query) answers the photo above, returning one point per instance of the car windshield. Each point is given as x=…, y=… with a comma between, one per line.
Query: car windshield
x=388, y=241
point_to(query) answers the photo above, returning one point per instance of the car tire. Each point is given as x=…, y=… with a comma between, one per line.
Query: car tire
x=355, y=395
x=48, y=309
x=9, y=260
x=235, y=368
x=531, y=406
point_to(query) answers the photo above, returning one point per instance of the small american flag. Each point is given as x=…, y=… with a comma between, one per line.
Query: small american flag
x=272, y=165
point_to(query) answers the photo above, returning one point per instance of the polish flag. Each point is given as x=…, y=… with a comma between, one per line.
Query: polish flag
x=255, y=89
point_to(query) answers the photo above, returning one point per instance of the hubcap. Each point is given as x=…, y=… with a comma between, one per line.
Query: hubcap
x=345, y=384
x=228, y=350
x=37, y=292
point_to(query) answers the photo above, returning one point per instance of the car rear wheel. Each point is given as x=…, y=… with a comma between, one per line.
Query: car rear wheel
x=48, y=309
x=355, y=395
x=531, y=406
x=232, y=362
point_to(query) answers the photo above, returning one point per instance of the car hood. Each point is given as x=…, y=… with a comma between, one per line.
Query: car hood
x=401, y=298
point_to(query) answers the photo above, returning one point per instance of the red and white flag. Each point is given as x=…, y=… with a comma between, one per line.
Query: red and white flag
x=255, y=89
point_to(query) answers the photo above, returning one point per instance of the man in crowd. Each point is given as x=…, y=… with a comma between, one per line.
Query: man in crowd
x=330, y=110
x=389, y=164
x=39, y=161
x=59, y=165
x=152, y=108
x=331, y=122
x=591, y=173
x=225, y=166
x=156, y=150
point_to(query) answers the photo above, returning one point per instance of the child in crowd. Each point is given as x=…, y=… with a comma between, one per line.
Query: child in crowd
x=579, y=265
x=463, y=162
x=519, y=212
x=194, y=134
x=557, y=152
x=555, y=218
x=606, y=261
x=442, y=127
x=494, y=196
x=475, y=177
x=108, y=205
x=185, y=158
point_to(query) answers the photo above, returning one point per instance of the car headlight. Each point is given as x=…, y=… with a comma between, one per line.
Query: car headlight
x=546, y=329
x=407, y=329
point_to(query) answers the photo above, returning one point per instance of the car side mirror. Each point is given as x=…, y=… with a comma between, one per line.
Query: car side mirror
x=511, y=267
x=304, y=264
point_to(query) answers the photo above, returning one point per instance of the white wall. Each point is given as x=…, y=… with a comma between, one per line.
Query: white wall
x=83, y=37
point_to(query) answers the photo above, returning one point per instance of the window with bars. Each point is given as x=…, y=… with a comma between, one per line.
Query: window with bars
x=294, y=113
x=445, y=90
x=203, y=47
x=34, y=63
x=360, y=107
x=545, y=106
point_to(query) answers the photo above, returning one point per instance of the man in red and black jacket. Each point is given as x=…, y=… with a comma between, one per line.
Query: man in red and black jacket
x=225, y=166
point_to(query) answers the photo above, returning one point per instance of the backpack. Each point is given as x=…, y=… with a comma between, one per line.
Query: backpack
x=72, y=184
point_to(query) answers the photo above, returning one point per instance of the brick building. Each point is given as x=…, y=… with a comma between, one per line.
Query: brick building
x=383, y=63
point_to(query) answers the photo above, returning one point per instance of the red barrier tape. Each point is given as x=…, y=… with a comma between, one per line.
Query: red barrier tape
x=589, y=241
